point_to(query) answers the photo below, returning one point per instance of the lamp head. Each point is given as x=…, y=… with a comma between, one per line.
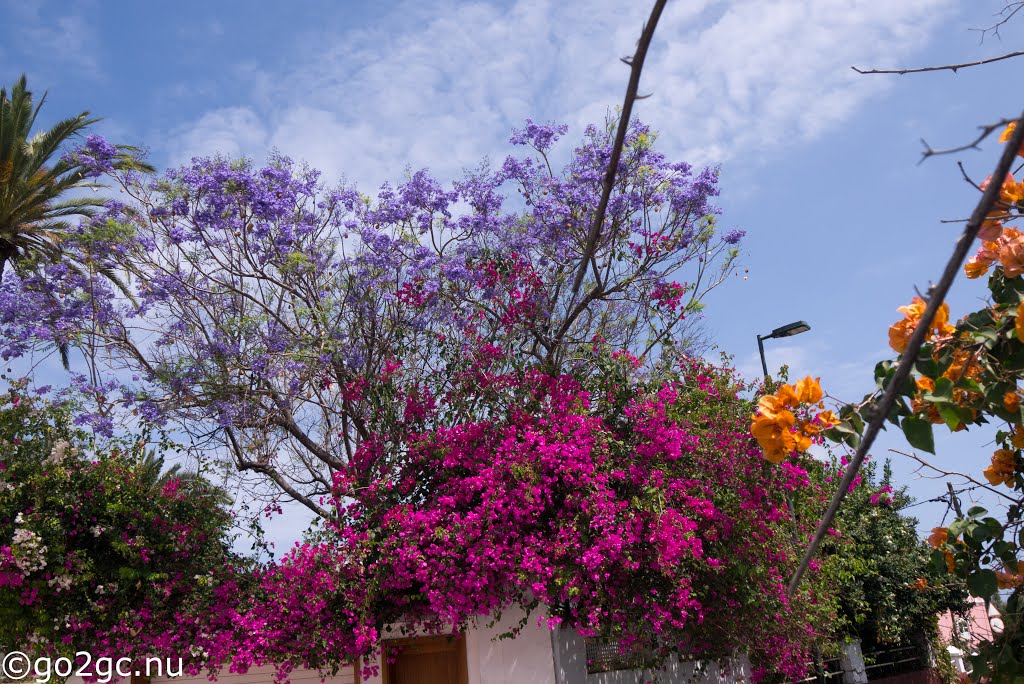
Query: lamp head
x=790, y=329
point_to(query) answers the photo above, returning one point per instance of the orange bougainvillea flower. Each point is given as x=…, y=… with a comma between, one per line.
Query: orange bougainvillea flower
x=827, y=418
x=1011, y=256
x=975, y=267
x=808, y=390
x=964, y=365
x=992, y=227
x=787, y=395
x=1017, y=438
x=938, y=537
x=777, y=429
x=931, y=413
x=1008, y=579
x=774, y=434
x=950, y=562
x=1018, y=325
x=1011, y=402
x=1005, y=137
x=1011, y=192
x=1003, y=465
x=803, y=442
x=920, y=584
x=925, y=384
x=768, y=406
x=914, y=310
x=899, y=334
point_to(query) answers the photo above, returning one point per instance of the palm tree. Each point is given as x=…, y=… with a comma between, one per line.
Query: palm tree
x=150, y=473
x=35, y=183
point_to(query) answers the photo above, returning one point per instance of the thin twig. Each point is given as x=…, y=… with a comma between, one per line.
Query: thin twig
x=985, y=132
x=636, y=66
x=1007, y=13
x=953, y=473
x=947, y=67
x=963, y=245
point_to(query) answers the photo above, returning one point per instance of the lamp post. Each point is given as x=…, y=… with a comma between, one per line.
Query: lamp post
x=787, y=330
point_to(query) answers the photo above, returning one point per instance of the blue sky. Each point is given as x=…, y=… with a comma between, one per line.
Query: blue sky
x=819, y=164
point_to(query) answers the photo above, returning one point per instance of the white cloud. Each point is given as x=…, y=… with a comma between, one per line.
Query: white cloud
x=231, y=131
x=441, y=85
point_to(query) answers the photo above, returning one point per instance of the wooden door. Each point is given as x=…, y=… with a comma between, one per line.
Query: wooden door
x=426, y=660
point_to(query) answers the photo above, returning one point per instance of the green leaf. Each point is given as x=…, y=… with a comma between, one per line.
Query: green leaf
x=919, y=433
x=883, y=371
x=949, y=414
x=982, y=583
x=976, y=512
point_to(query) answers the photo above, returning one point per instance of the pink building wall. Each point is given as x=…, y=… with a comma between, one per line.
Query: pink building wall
x=977, y=624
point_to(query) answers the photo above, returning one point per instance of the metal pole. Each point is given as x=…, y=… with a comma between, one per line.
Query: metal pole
x=760, y=348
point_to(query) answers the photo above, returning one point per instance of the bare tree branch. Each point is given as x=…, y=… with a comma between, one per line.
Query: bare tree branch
x=973, y=145
x=948, y=67
x=963, y=245
x=1007, y=13
x=636, y=66
x=953, y=473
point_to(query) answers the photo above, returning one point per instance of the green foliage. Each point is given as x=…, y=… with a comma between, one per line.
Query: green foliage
x=94, y=533
x=886, y=589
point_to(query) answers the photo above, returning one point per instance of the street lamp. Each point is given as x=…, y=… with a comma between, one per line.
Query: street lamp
x=787, y=330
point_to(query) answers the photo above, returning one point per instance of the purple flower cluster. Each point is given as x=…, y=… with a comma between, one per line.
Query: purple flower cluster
x=95, y=158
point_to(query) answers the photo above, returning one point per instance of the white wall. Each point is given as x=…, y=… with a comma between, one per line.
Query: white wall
x=527, y=659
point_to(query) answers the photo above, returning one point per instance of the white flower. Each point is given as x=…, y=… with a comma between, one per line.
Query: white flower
x=56, y=456
x=96, y=530
x=28, y=550
x=62, y=582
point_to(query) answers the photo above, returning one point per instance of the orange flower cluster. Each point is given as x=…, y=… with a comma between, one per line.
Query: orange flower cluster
x=778, y=430
x=1004, y=465
x=1008, y=579
x=963, y=365
x=1005, y=137
x=1005, y=245
x=1007, y=249
x=938, y=537
x=1011, y=402
x=919, y=405
x=900, y=332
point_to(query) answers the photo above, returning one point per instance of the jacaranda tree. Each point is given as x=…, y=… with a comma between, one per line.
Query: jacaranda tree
x=269, y=316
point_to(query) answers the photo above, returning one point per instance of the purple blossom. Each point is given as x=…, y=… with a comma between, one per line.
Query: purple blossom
x=734, y=236
x=96, y=157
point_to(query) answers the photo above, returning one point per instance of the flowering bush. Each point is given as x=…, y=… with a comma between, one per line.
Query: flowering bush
x=623, y=506
x=93, y=549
